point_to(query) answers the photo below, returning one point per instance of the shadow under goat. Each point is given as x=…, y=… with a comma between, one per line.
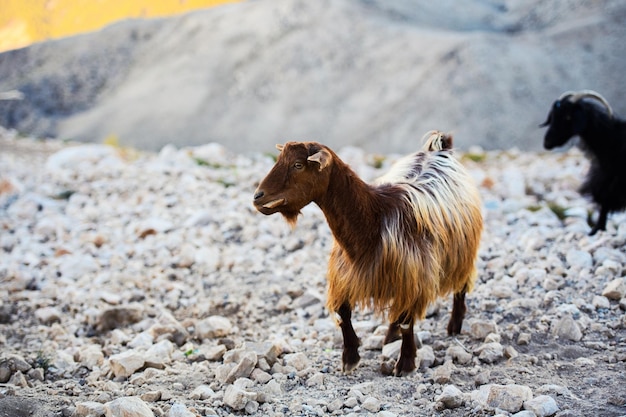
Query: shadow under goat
x=400, y=243
x=602, y=139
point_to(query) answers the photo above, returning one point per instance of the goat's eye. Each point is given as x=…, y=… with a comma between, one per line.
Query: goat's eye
x=298, y=165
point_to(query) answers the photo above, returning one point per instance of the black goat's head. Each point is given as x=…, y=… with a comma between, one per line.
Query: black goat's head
x=568, y=117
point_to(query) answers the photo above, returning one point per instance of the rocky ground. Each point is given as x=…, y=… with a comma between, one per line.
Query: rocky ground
x=142, y=284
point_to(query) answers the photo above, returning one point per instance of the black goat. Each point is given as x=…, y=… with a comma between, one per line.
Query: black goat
x=603, y=139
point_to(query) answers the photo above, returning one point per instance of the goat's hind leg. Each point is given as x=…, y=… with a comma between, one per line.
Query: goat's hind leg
x=458, y=312
x=601, y=223
x=393, y=333
x=408, y=350
x=350, y=357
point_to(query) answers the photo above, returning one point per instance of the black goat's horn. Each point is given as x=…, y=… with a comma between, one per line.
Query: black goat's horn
x=592, y=94
x=566, y=95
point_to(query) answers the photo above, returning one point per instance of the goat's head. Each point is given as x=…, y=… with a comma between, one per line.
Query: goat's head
x=568, y=117
x=300, y=176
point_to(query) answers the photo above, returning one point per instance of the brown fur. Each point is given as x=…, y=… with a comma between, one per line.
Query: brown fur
x=400, y=243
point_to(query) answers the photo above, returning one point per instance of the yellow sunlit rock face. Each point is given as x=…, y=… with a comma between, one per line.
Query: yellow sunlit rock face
x=25, y=22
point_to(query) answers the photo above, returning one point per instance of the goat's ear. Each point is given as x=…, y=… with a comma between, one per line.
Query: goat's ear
x=280, y=147
x=322, y=157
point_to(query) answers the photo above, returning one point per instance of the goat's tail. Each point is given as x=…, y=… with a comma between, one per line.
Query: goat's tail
x=437, y=141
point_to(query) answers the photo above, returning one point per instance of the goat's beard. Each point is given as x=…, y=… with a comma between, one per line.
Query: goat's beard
x=291, y=217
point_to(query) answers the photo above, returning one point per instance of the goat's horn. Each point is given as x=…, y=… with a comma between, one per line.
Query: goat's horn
x=592, y=94
x=566, y=95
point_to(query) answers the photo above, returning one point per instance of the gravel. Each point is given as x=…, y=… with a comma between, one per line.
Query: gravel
x=144, y=284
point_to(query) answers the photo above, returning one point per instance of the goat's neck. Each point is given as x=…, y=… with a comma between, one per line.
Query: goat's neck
x=598, y=141
x=353, y=211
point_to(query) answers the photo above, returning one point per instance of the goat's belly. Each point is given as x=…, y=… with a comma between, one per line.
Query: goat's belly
x=403, y=288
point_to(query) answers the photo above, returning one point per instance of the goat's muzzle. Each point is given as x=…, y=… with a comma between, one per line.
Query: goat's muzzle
x=265, y=205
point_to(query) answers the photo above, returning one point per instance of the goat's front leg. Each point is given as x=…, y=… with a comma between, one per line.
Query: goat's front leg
x=350, y=357
x=601, y=223
x=408, y=350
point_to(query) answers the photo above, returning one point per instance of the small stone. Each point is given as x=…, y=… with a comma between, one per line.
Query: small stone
x=5, y=372
x=126, y=363
x=509, y=397
x=214, y=353
x=266, y=350
x=213, y=327
x=201, y=392
x=601, y=302
x=490, y=352
x=127, y=407
x=151, y=396
x=442, y=374
x=116, y=317
x=459, y=355
x=567, y=328
x=523, y=339
x=451, y=397
x=351, y=402
x=237, y=398
x=251, y=407
x=510, y=352
x=91, y=356
x=48, y=315
x=159, y=354
x=260, y=376
x=335, y=405
x=615, y=290
x=298, y=360
x=578, y=259
x=479, y=329
x=371, y=404
x=19, y=380
x=316, y=380
x=542, y=406
x=373, y=342
x=89, y=409
x=243, y=368
x=425, y=357
x=392, y=350
x=493, y=337
x=179, y=410
x=482, y=378
x=36, y=374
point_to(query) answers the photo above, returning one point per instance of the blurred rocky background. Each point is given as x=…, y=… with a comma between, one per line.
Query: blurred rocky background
x=368, y=73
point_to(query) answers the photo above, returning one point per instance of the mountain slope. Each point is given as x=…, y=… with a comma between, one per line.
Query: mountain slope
x=341, y=72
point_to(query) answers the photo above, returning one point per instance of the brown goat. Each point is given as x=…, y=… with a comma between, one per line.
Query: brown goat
x=400, y=243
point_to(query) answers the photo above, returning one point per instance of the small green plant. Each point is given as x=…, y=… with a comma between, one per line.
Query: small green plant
x=63, y=195
x=271, y=155
x=476, y=157
x=42, y=361
x=533, y=209
x=558, y=210
x=190, y=352
x=377, y=161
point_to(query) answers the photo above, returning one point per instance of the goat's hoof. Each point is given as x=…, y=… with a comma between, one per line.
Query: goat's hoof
x=454, y=328
x=404, y=370
x=350, y=361
x=404, y=367
x=348, y=368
